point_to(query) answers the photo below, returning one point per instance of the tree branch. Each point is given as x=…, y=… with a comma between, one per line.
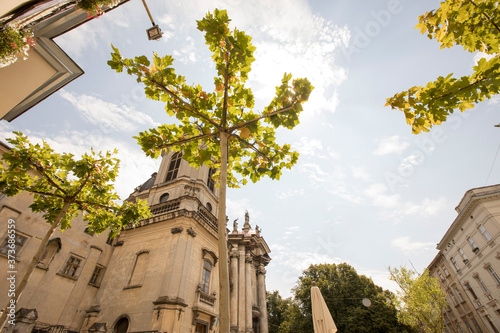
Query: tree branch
x=187, y=140
x=487, y=17
x=251, y=146
x=270, y=114
x=40, y=170
x=190, y=107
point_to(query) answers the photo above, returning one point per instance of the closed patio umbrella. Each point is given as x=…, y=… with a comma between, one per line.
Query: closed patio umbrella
x=322, y=319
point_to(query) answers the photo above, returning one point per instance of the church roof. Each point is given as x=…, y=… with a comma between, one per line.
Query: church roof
x=148, y=184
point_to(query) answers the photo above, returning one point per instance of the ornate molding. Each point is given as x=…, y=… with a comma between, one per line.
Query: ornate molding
x=191, y=232
x=176, y=230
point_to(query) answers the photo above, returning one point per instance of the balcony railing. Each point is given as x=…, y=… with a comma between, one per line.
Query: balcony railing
x=208, y=217
x=165, y=207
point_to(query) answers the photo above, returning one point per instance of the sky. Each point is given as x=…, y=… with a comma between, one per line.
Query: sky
x=365, y=191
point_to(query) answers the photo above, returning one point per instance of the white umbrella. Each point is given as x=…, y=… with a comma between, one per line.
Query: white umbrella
x=322, y=319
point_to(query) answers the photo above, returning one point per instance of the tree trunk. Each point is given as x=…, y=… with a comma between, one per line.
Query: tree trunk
x=223, y=268
x=34, y=262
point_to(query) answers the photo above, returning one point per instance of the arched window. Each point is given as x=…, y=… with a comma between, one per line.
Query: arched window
x=121, y=326
x=205, y=280
x=139, y=269
x=50, y=251
x=164, y=197
x=173, y=168
x=210, y=181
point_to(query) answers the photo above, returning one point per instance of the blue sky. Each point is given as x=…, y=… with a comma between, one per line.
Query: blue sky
x=365, y=190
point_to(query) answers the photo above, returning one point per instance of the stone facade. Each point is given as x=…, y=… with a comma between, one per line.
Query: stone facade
x=160, y=276
x=468, y=263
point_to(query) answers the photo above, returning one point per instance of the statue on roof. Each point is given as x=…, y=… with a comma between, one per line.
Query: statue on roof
x=235, y=226
x=247, y=226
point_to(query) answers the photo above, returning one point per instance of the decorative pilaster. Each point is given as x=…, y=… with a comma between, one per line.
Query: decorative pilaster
x=248, y=287
x=261, y=281
x=241, y=291
x=234, y=289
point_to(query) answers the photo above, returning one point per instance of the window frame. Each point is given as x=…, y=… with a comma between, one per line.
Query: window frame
x=210, y=181
x=472, y=244
x=174, y=165
x=455, y=264
x=6, y=246
x=206, y=276
x=484, y=232
x=69, y=264
x=493, y=274
x=95, y=279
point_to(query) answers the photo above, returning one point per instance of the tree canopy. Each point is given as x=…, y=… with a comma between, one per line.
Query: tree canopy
x=421, y=301
x=252, y=148
x=220, y=129
x=62, y=187
x=471, y=24
x=343, y=290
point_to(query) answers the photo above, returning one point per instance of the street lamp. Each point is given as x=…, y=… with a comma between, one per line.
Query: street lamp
x=154, y=33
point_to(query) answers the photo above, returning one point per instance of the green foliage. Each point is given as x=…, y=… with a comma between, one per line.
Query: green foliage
x=343, y=290
x=55, y=179
x=203, y=115
x=470, y=24
x=421, y=301
x=95, y=7
x=14, y=43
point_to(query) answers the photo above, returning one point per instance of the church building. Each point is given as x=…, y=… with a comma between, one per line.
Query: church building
x=158, y=276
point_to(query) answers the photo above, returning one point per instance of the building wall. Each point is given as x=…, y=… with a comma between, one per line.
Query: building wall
x=471, y=250
x=67, y=297
x=152, y=273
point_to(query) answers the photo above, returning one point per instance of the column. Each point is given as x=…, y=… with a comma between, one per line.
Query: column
x=241, y=291
x=234, y=290
x=248, y=285
x=261, y=280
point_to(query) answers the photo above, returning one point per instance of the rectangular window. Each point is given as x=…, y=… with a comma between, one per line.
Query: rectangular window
x=445, y=270
x=173, y=168
x=460, y=297
x=475, y=248
x=484, y=232
x=459, y=328
x=96, y=275
x=440, y=275
x=488, y=318
x=494, y=274
x=469, y=328
x=453, y=298
x=210, y=181
x=454, y=262
x=13, y=242
x=476, y=325
x=462, y=253
x=481, y=283
x=471, y=291
x=72, y=266
x=205, y=280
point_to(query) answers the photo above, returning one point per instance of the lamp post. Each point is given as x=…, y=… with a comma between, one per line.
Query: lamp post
x=154, y=33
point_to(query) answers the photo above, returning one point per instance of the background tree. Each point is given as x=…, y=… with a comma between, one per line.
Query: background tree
x=343, y=290
x=421, y=301
x=473, y=25
x=62, y=187
x=277, y=310
x=220, y=129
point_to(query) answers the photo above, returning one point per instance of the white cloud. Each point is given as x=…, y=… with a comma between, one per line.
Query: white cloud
x=390, y=145
x=408, y=247
x=360, y=173
x=291, y=193
x=108, y=116
x=309, y=147
x=376, y=192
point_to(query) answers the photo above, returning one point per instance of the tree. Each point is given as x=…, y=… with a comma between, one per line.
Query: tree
x=471, y=24
x=220, y=129
x=62, y=187
x=343, y=290
x=421, y=301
